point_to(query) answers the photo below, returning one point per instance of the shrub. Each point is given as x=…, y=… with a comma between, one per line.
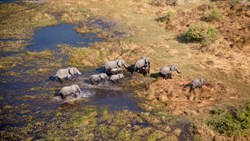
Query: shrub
x=213, y=15
x=233, y=122
x=202, y=33
x=167, y=18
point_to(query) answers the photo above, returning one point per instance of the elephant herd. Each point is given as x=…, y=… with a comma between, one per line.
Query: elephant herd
x=114, y=72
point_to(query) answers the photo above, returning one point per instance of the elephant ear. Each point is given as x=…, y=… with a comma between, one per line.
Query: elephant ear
x=102, y=75
x=120, y=62
x=147, y=61
x=78, y=88
x=174, y=68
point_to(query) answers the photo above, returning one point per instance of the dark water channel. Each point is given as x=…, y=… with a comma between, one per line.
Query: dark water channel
x=28, y=94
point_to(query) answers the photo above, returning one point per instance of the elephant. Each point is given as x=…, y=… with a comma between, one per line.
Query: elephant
x=117, y=77
x=145, y=70
x=116, y=70
x=97, y=78
x=142, y=65
x=66, y=73
x=73, y=90
x=166, y=72
x=196, y=83
x=114, y=64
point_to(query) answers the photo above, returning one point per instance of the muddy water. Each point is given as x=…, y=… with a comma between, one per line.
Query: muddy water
x=30, y=95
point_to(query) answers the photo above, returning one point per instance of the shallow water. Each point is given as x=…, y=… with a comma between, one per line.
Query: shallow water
x=50, y=37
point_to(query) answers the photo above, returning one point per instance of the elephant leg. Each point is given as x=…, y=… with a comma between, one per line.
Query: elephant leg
x=60, y=80
x=145, y=73
x=148, y=71
x=191, y=88
x=61, y=95
x=163, y=76
x=102, y=81
x=96, y=82
x=74, y=95
x=167, y=76
x=135, y=69
x=69, y=78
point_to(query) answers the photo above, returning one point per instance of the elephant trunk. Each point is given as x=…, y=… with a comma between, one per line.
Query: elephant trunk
x=125, y=66
x=178, y=71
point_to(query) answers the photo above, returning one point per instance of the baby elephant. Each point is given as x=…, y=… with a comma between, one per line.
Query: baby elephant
x=66, y=73
x=114, y=64
x=116, y=78
x=97, y=78
x=142, y=65
x=73, y=90
x=166, y=72
x=197, y=83
x=116, y=70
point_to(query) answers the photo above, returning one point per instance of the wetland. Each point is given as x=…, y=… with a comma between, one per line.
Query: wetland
x=39, y=38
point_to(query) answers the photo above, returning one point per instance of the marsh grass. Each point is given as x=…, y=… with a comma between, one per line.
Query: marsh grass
x=9, y=62
x=12, y=46
x=19, y=21
x=27, y=59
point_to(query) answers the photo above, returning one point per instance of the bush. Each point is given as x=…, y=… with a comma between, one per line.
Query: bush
x=213, y=15
x=167, y=18
x=202, y=33
x=233, y=122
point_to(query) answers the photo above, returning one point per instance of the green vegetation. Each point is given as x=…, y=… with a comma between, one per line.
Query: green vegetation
x=234, y=122
x=167, y=18
x=213, y=15
x=202, y=33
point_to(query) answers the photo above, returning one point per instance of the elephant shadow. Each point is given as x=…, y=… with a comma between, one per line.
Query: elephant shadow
x=58, y=94
x=154, y=75
x=130, y=68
